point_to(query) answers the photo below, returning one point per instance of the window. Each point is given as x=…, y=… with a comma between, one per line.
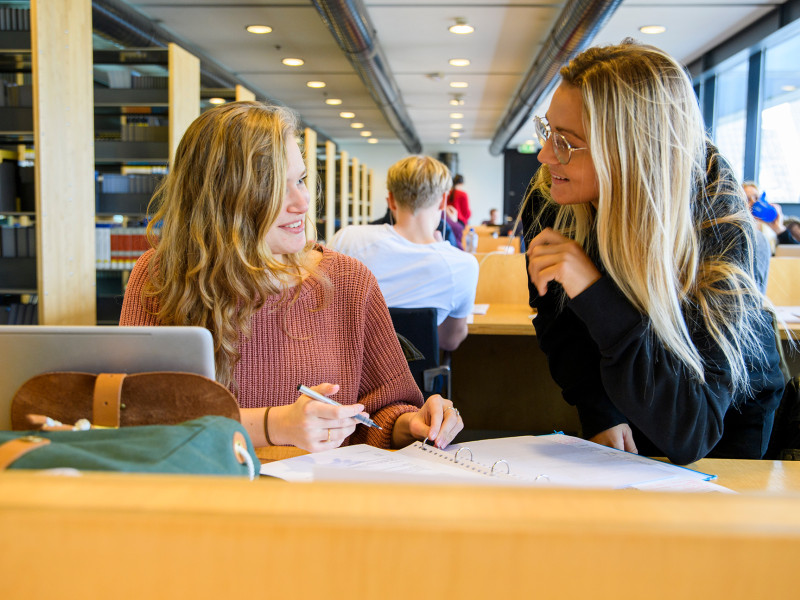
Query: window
x=730, y=115
x=779, y=167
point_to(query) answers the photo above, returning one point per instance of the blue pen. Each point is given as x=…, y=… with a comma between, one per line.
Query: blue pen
x=317, y=396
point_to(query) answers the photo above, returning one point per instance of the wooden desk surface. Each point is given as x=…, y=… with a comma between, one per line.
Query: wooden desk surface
x=515, y=319
x=142, y=536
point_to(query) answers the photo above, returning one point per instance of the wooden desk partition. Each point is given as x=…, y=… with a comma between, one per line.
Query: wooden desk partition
x=783, y=281
x=502, y=279
x=138, y=536
x=488, y=243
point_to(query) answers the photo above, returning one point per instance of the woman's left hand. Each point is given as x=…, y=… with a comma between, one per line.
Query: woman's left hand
x=552, y=257
x=438, y=421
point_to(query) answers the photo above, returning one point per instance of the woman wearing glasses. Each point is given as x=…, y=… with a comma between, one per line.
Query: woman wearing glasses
x=640, y=266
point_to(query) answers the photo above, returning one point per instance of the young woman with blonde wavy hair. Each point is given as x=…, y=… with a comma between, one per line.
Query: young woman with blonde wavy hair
x=640, y=265
x=234, y=255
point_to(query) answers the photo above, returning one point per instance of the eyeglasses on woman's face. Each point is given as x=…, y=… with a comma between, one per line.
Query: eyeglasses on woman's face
x=561, y=147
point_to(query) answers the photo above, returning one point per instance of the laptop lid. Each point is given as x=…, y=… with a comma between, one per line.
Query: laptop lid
x=27, y=350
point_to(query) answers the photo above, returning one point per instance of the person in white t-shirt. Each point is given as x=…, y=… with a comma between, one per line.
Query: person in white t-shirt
x=414, y=269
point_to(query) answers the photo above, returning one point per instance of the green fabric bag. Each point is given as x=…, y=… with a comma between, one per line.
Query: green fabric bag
x=210, y=445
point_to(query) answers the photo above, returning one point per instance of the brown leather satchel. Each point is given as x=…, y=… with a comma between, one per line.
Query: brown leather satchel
x=120, y=400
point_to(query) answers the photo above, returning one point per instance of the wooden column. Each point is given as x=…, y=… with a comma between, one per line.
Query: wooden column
x=242, y=93
x=184, y=93
x=330, y=190
x=344, y=189
x=372, y=194
x=364, y=196
x=311, y=169
x=61, y=48
x=356, y=193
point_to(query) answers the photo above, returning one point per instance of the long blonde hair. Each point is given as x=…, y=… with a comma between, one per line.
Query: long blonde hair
x=212, y=266
x=670, y=238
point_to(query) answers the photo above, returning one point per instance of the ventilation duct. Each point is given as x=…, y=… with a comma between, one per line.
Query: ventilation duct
x=351, y=28
x=575, y=28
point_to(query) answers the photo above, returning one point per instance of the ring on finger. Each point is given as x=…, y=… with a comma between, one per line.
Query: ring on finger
x=454, y=409
x=329, y=436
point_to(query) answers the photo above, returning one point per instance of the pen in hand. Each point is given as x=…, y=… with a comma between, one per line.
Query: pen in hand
x=317, y=396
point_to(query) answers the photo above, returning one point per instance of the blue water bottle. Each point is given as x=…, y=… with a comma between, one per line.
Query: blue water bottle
x=763, y=210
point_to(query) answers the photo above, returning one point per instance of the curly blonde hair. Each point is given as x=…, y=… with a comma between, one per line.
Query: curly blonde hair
x=210, y=217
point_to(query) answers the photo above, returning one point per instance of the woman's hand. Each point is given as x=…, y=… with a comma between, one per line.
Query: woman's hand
x=438, y=421
x=552, y=257
x=619, y=437
x=313, y=425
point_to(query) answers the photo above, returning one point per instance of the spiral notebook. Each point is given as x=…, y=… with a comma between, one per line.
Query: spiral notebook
x=556, y=460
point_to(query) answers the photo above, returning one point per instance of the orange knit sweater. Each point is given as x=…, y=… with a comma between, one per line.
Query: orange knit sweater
x=351, y=342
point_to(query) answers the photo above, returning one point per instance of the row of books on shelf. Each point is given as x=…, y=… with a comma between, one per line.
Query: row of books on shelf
x=119, y=247
x=112, y=183
x=19, y=313
x=15, y=94
x=15, y=19
x=17, y=241
x=121, y=79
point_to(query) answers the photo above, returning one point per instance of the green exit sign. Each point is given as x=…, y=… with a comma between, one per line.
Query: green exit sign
x=526, y=148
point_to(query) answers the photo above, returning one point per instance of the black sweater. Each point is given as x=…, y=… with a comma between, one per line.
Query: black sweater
x=603, y=354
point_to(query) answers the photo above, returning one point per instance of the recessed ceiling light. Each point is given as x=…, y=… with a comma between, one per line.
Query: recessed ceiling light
x=461, y=27
x=455, y=134
x=652, y=29
x=452, y=141
x=459, y=62
x=788, y=88
x=347, y=115
x=316, y=84
x=293, y=62
x=260, y=29
x=357, y=125
x=372, y=141
x=216, y=100
x=458, y=84
x=366, y=133
x=456, y=115
x=333, y=101
x=456, y=126
x=457, y=100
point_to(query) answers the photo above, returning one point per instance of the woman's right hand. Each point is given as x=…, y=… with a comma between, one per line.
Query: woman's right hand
x=313, y=425
x=553, y=257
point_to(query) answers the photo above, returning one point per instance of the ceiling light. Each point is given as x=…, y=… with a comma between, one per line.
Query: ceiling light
x=461, y=27
x=357, y=125
x=333, y=101
x=652, y=29
x=347, y=115
x=456, y=126
x=788, y=88
x=260, y=29
x=372, y=141
x=453, y=141
x=459, y=62
x=293, y=62
x=458, y=84
x=455, y=134
x=457, y=100
x=366, y=133
x=456, y=115
x=316, y=84
x=216, y=100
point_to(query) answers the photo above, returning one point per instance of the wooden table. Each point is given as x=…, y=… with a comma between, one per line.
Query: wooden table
x=144, y=536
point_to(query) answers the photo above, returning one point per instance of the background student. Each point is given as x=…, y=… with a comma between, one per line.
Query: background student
x=233, y=256
x=640, y=264
x=415, y=269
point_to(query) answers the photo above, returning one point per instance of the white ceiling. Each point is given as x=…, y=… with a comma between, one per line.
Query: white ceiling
x=416, y=43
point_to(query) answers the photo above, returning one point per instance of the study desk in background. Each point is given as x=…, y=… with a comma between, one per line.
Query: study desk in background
x=145, y=536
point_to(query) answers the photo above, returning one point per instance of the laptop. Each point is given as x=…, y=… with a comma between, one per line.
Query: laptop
x=27, y=350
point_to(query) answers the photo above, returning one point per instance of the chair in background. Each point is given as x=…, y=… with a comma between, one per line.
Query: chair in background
x=419, y=326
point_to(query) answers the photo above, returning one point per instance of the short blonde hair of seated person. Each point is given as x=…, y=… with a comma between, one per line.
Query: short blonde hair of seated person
x=418, y=181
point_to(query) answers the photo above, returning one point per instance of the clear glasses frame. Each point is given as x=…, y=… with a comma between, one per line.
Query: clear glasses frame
x=561, y=147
